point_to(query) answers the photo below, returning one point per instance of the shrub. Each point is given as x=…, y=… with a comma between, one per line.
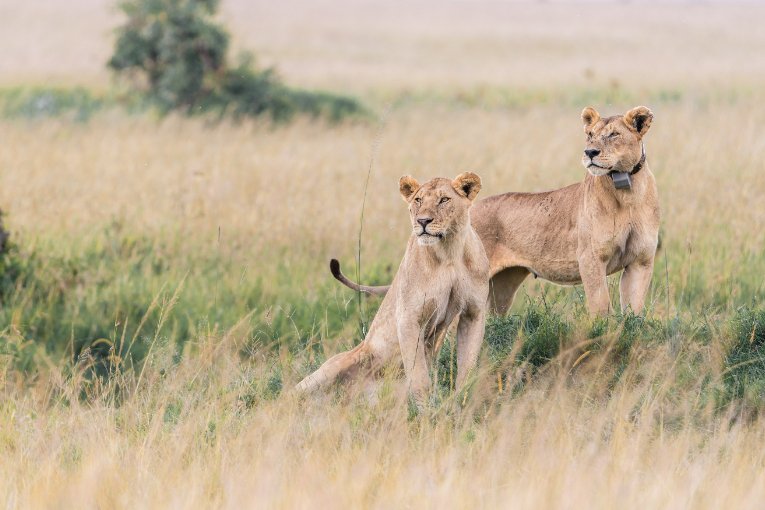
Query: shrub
x=744, y=367
x=4, y=235
x=177, y=53
x=10, y=263
x=16, y=353
x=540, y=329
x=175, y=46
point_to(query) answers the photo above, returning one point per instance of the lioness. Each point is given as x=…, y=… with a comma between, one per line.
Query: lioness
x=444, y=275
x=580, y=233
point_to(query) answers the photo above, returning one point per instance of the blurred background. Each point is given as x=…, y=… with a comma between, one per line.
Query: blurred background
x=379, y=47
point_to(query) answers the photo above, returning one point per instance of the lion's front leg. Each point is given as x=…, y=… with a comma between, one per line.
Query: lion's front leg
x=633, y=287
x=411, y=340
x=593, y=273
x=470, y=333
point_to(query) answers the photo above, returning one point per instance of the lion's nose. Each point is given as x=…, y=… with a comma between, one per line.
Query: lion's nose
x=424, y=221
x=591, y=153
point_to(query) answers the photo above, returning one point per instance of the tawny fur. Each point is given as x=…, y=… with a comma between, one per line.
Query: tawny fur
x=583, y=232
x=444, y=276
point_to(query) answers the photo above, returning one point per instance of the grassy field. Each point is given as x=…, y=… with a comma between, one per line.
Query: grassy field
x=169, y=276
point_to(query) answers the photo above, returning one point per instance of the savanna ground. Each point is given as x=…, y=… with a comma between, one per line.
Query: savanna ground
x=170, y=279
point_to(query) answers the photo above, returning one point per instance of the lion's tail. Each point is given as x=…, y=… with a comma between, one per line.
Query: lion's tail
x=334, y=267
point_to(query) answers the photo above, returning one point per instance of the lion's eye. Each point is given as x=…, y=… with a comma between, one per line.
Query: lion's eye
x=418, y=200
x=613, y=135
x=443, y=200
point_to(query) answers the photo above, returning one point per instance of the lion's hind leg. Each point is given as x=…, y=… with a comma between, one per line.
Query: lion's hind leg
x=365, y=359
x=338, y=367
x=503, y=286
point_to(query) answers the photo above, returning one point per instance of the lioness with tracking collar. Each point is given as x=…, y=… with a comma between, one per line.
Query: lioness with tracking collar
x=443, y=276
x=581, y=233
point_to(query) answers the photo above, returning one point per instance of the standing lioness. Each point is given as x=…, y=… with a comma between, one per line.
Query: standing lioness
x=444, y=275
x=580, y=233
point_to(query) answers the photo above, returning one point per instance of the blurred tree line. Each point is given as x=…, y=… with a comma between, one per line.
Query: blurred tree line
x=176, y=55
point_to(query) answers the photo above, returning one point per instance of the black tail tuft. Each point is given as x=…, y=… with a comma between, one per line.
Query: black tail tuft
x=334, y=267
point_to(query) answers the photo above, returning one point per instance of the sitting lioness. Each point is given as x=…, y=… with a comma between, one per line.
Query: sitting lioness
x=444, y=275
x=580, y=233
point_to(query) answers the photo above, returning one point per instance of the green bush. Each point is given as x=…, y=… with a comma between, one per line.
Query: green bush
x=744, y=366
x=177, y=54
x=10, y=263
x=175, y=46
x=17, y=354
x=541, y=330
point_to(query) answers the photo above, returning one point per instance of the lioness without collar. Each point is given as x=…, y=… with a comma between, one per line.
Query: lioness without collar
x=444, y=275
x=580, y=233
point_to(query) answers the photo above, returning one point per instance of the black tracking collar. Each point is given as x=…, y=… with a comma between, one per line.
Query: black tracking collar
x=622, y=180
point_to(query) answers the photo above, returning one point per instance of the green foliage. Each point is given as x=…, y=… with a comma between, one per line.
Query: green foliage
x=446, y=365
x=619, y=334
x=115, y=297
x=260, y=387
x=515, y=98
x=744, y=368
x=117, y=300
x=175, y=45
x=324, y=104
x=11, y=264
x=173, y=411
x=179, y=53
x=40, y=102
x=540, y=329
x=16, y=352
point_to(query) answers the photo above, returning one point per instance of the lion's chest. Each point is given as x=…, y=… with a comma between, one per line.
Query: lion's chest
x=442, y=301
x=632, y=238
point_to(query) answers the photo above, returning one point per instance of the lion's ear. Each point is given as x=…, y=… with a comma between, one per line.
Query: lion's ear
x=467, y=184
x=589, y=117
x=639, y=119
x=408, y=186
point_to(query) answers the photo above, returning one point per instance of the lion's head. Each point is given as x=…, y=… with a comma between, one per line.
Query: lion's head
x=439, y=208
x=614, y=143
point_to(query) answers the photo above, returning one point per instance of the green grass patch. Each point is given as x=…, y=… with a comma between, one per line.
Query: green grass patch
x=115, y=300
x=77, y=104
x=242, y=98
x=744, y=366
x=118, y=297
x=514, y=98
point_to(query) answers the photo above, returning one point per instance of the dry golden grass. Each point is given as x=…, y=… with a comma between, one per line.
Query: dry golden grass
x=192, y=436
x=206, y=431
